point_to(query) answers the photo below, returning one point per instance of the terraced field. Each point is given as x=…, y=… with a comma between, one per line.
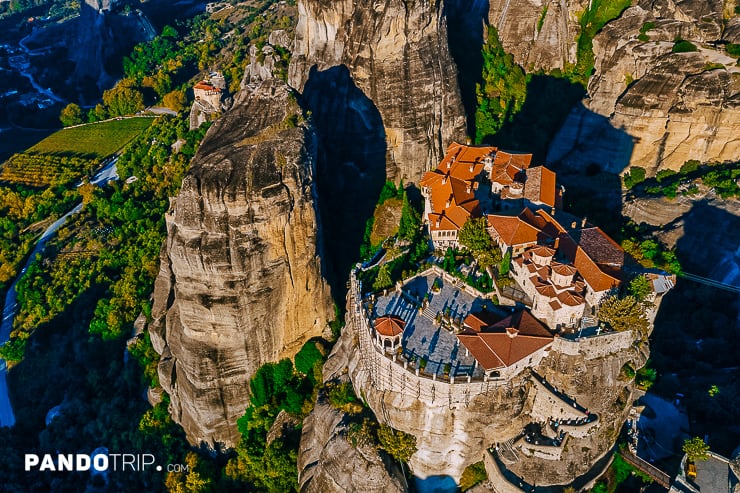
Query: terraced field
x=71, y=153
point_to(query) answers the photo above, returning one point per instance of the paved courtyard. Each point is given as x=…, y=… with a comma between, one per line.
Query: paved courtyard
x=422, y=337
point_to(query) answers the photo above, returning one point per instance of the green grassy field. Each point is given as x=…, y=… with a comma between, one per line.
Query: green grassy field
x=96, y=140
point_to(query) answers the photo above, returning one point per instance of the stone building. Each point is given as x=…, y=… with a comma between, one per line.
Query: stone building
x=473, y=179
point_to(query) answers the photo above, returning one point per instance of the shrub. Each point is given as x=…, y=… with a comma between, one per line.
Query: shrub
x=342, y=396
x=663, y=174
x=472, y=475
x=634, y=176
x=683, y=46
x=307, y=358
x=399, y=445
x=733, y=49
x=689, y=166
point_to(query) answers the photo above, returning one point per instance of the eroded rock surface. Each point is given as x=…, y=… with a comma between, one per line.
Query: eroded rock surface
x=397, y=55
x=666, y=107
x=327, y=461
x=240, y=283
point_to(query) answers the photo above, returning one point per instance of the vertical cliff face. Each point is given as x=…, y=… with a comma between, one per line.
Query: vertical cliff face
x=241, y=282
x=541, y=34
x=397, y=55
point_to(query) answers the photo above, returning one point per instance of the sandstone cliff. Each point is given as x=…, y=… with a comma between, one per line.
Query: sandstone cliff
x=240, y=281
x=541, y=34
x=666, y=107
x=397, y=55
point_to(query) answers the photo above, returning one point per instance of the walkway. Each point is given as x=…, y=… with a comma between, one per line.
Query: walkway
x=7, y=417
x=659, y=476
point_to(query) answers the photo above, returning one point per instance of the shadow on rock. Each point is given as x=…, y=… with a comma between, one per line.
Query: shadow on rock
x=350, y=169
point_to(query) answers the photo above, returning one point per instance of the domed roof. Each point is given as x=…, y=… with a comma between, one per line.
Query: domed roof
x=570, y=298
x=389, y=325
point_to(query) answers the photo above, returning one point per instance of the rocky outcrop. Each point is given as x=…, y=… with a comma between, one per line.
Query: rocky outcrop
x=327, y=461
x=665, y=107
x=240, y=282
x=397, y=55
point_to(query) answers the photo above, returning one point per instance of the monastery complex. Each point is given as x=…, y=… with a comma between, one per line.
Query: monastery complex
x=438, y=339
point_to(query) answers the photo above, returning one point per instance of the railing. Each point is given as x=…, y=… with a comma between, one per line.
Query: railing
x=659, y=476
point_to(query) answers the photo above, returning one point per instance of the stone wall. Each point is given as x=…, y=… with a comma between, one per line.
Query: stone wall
x=595, y=346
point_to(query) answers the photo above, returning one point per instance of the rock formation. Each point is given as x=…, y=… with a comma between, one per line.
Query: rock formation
x=541, y=34
x=240, y=282
x=650, y=107
x=397, y=55
x=327, y=461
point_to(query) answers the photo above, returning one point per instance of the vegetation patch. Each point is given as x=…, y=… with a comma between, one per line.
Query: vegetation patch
x=683, y=46
x=386, y=220
x=503, y=89
x=592, y=20
x=643, y=31
x=541, y=20
x=93, y=141
x=472, y=475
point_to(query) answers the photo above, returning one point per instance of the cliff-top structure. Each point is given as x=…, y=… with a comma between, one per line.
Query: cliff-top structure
x=526, y=378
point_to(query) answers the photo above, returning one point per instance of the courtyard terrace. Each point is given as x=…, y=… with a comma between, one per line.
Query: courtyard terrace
x=430, y=335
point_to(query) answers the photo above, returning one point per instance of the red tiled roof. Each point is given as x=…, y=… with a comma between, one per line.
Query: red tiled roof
x=563, y=269
x=540, y=186
x=206, y=86
x=542, y=251
x=570, y=298
x=513, y=230
x=389, y=325
x=547, y=290
x=481, y=319
x=508, y=341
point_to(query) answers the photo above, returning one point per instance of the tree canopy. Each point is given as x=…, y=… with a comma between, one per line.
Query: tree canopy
x=640, y=287
x=71, y=115
x=623, y=314
x=399, y=445
x=503, y=90
x=473, y=235
x=695, y=449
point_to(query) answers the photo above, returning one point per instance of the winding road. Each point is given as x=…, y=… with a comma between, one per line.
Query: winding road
x=7, y=418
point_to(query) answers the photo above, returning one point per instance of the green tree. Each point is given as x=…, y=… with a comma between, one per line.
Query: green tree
x=502, y=91
x=175, y=100
x=124, y=99
x=695, y=449
x=383, y=280
x=307, y=358
x=71, y=115
x=640, y=287
x=474, y=236
x=399, y=445
x=623, y=314
x=410, y=222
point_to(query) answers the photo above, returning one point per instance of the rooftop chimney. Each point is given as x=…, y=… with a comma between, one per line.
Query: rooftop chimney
x=583, y=222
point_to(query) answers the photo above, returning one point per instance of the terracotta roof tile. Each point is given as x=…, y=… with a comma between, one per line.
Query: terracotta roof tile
x=513, y=230
x=389, y=325
x=570, y=298
x=540, y=186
